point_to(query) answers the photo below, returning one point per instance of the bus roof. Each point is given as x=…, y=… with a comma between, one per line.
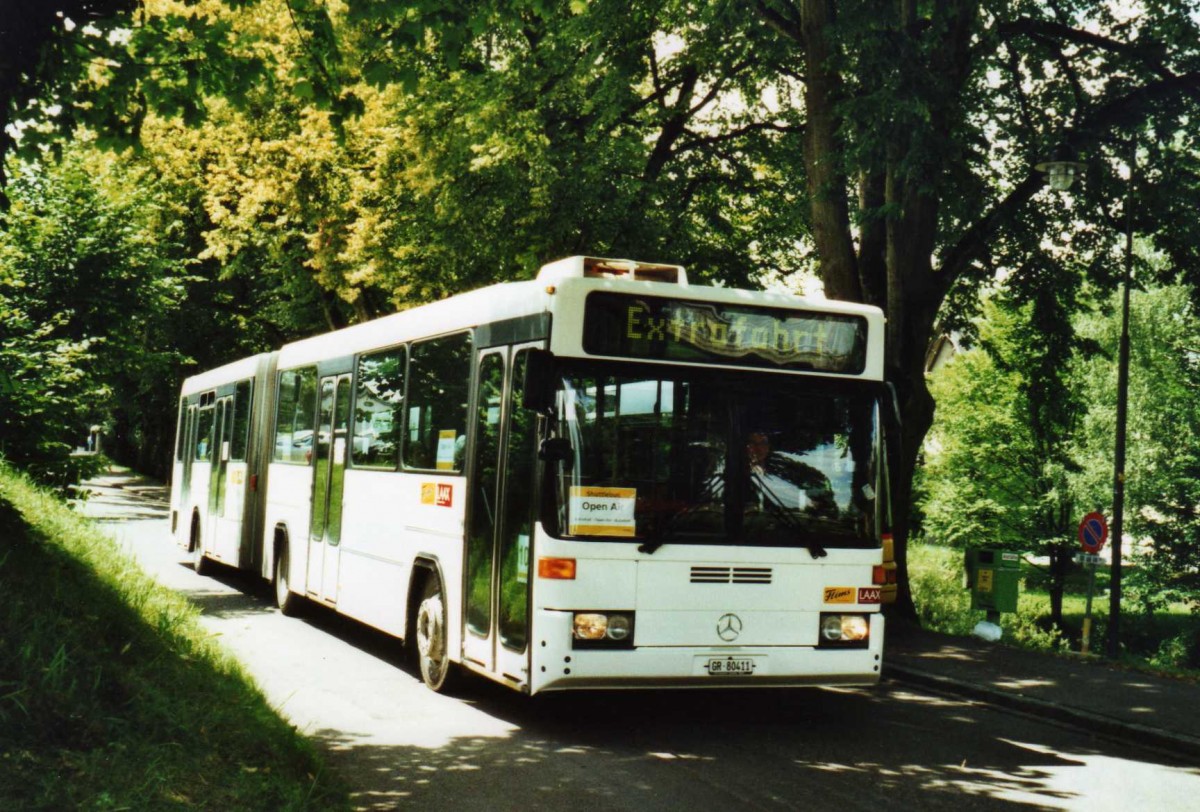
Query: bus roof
x=558, y=289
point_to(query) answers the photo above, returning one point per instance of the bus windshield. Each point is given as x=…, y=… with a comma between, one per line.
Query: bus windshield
x=692, y=457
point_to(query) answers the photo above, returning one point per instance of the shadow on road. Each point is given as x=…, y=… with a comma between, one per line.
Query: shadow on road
x=844, y=749
x=650, y=751
x=121, y=498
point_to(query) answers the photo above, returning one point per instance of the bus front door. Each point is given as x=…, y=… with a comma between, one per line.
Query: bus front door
x=329, y=450
x=500, y=519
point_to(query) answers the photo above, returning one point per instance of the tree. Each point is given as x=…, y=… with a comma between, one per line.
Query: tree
x=923, y=126
x=1002, y=454
x=86, y=298
x=889, y=145
x=36, y=46
x=1164, y=453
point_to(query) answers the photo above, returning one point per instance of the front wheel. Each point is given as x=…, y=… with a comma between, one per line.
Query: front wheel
x=287, y=600
x=433, y=654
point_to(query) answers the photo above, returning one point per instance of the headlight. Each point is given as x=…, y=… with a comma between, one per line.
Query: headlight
x=846, y=629
x=603, y=629
x=590, y=626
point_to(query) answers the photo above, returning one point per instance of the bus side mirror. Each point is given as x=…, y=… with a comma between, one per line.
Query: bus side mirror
x=538, y=393
x=557, y=449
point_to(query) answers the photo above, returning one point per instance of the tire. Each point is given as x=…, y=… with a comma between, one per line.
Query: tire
x=200, y=564
x=433, y=657
x=287, y=600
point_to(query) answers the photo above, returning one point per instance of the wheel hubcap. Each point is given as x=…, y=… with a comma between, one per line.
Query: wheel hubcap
x=430, y=638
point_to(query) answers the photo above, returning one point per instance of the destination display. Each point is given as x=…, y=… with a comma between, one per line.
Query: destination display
x=663, y=329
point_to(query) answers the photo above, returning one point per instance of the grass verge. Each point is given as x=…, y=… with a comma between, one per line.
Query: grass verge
x=112, y=696
x=1165, y=642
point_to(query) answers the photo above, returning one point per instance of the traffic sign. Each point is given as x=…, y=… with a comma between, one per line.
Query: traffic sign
x=1093, y=532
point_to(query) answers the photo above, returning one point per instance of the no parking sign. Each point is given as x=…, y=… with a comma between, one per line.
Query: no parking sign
x=1093, y=532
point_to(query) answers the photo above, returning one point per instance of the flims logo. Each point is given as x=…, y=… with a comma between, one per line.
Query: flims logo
x=435, y=493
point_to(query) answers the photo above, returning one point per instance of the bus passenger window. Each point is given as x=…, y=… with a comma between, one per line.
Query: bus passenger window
x=295, y=415
x=180, y=439
x=241, y=420
x=203, y=438
x=438, y=375
x=378, y=409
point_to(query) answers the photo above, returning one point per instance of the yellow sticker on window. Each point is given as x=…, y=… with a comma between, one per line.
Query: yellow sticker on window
x=445, y=449
x=603, y=512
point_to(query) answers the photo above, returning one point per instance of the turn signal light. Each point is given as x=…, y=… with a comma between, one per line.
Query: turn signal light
x=561, y=569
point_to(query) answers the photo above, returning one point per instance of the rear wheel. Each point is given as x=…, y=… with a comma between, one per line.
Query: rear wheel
x=200, y=564
x=433, y=655
x=287, y=600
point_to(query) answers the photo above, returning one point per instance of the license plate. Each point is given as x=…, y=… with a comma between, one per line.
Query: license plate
x=730, y=666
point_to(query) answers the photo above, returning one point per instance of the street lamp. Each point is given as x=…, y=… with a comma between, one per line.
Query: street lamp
x=1061, y=170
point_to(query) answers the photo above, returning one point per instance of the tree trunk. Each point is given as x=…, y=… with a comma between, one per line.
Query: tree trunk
x=1060, y=561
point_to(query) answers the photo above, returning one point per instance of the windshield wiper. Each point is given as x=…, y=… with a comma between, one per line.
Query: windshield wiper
x=706, y=496
x=776, y=508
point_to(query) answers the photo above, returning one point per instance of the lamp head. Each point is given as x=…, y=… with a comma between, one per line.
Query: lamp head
x=1061, y=168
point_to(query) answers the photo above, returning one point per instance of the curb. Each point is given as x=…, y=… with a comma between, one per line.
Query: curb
x=1088, y=720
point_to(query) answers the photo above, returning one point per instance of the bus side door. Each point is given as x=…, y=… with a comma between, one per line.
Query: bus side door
x=500, y=521
x=217, y=486
x=330, y=447
x=185, y=480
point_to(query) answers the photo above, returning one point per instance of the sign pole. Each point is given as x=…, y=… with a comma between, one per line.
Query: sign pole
x=1085, y=644
x=1093, y=532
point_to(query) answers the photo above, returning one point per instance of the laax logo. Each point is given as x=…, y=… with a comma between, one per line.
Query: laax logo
x=729, y=626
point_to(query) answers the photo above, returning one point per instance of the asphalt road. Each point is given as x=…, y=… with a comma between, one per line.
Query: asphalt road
x=399, y=745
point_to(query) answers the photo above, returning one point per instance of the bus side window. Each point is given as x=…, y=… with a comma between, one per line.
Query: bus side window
x=378, y=409
x=203, y=449
x=295, y=415
x=180, y=439
x=242, y=404
x=439, y=372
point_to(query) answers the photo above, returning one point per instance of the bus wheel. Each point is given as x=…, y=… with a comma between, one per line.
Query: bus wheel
x=287, y=600
x=432, y=653
x=200, y=564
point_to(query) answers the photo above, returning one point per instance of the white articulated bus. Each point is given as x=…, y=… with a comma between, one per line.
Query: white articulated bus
x=605, y=477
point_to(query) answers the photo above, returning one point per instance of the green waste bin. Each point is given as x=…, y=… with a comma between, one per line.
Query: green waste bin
x=993, y=577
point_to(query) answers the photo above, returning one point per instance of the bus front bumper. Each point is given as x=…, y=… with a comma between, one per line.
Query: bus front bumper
x=557, y=666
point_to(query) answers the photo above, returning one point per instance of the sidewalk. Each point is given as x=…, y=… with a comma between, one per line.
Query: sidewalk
x=121, y=494
x=1083, y=691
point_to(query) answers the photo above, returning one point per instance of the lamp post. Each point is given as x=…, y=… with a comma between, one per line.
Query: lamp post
x=1061, y=170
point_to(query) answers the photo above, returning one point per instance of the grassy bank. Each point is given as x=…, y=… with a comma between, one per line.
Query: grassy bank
x=112, y=697
x=1166, y=642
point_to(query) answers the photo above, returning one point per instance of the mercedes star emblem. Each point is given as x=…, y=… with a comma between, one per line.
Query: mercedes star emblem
x=729, y=627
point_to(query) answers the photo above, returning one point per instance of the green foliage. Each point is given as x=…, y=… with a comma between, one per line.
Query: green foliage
x=1163, y=458
x=327, y=162
x=83, y=292
x=999, y=456
x=112, y=695
x=943, y=604
x=990, y=478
